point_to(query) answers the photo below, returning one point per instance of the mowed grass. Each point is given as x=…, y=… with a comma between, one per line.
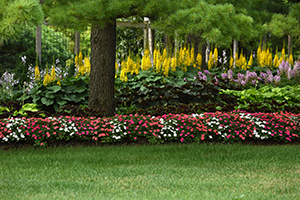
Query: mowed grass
x=231, y=171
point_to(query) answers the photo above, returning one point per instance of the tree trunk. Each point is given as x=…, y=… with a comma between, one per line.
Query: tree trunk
x=194, y=41
x=263, y=42
x=102, y=74
x=290, y=45
x=38, y=39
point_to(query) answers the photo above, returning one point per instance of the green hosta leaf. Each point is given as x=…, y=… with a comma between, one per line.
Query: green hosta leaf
x=62, y=102
x=54, y=88
x=46, y=101
x=29, y=107
x=56, y=107
x=144, y=74
x=178, y=74
x=66, y=90
x=49, y=95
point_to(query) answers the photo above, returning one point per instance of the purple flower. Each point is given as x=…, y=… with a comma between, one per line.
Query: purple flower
x=207, y=72
x=289, y=74
x=224, y=75
x=278, y=72
x=263, y=75
x=241, y=77
x=217, y=80
x=230, y=74
x=200, y=73
x=276, y=79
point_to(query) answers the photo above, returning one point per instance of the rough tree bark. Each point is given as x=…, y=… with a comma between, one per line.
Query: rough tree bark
x=102, y=74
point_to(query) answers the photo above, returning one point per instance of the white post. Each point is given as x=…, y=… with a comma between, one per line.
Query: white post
x=207, y=51
x=146, y=32
x=235, y=48
x=176, y=43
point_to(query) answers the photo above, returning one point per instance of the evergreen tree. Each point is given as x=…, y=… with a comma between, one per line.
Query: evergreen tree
x=218, y=24
x=15, y=14
x=101, y=15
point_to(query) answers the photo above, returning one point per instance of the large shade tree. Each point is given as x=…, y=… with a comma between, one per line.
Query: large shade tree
x=16, y=14
x=216, y=21
x=101, y=15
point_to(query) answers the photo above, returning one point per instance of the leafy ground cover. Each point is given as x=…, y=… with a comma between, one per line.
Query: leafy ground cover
x=203, y=171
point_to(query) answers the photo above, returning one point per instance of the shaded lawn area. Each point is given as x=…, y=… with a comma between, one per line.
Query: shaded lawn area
x=190, y=171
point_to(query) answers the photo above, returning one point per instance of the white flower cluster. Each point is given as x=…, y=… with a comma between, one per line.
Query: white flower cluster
x=169, y=126
x=119, y=129
x=258, y=123
x=68, y=126
x=14, y=128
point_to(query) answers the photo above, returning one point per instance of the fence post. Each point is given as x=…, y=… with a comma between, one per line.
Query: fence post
x=38, y=36
x=235, y=50
x=77, y=42
x=207, y=52
x=146, y=32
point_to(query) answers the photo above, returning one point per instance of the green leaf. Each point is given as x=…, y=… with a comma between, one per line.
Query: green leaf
x=49, y=95
x=46, y=101
x=54, y=88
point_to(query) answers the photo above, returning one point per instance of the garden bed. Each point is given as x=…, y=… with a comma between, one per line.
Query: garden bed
x=213, y=127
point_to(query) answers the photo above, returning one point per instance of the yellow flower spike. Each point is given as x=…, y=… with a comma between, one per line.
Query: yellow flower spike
x=216, y=56
x=192, y=56
x=173, y=64
x=237, y=64
x=166, y=66
x=250, y=63
x=283, y=54
x=258, y=54
x=37, y=74
x=231, y=62
x=199, y=61
x=80, y=58
x=270, y=60
x=87, y=65
x=181, y=56
x=155, y=56
x=116, y=66
x=158, y=66
x=276, y=61
x=210, y=61
x=53, y=74
x=291, y=59
x=76, y=61
x=46, y=79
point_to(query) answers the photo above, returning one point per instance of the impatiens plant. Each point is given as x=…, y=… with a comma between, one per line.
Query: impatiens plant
x=214, y=127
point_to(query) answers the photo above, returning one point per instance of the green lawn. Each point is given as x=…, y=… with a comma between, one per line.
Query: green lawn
x=231, y=171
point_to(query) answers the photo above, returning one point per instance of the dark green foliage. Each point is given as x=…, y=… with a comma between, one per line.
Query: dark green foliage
x=51, y=97
x=149, y=89
x=53, y=43
x=78, y=111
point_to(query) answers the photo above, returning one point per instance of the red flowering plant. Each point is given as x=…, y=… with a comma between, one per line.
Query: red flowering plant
x=276, y=126
x=218, y=126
